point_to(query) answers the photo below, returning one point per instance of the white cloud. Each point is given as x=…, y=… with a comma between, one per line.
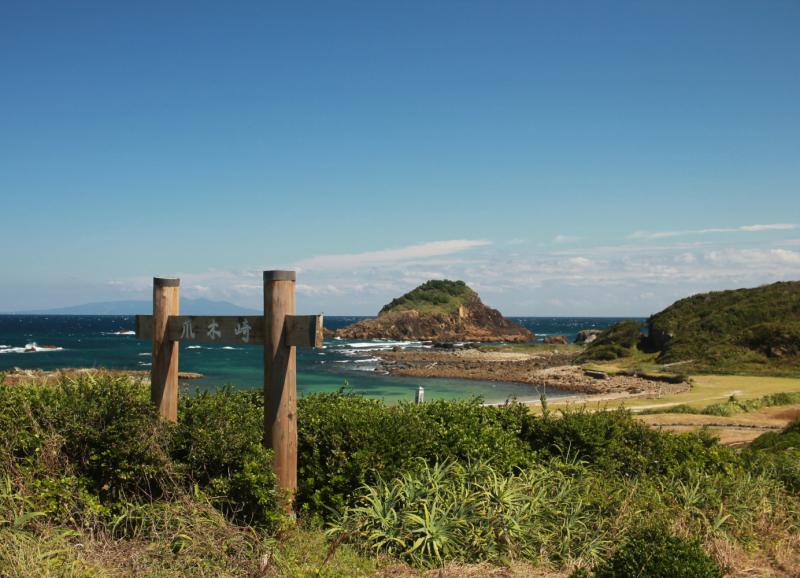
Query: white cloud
x=580, y=262
x=663, y=234
x=424, y=250
x=198, y=290
x=247, y=289
x=767, y=227
x=566, y=239
x=753, y=257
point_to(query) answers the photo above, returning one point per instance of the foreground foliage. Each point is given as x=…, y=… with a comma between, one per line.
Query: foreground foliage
x=91, y=477
x=656, y=555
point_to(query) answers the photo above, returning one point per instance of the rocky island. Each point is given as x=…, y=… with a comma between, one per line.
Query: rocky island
x=438, y=310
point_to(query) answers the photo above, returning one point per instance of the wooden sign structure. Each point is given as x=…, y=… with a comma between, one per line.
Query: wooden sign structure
x=279, y=330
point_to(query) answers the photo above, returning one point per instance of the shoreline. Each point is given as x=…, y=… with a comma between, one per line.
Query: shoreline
x=17, y=375
x=540, y=370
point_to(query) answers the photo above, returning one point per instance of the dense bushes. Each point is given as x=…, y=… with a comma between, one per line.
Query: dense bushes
x=218, y=440
x=437, y=292
x=470, y=511
x=85, y=447
x=615, y=441
x=659, y=555
x=346, y=440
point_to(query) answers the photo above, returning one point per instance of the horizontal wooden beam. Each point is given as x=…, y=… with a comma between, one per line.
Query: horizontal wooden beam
x=301, y=330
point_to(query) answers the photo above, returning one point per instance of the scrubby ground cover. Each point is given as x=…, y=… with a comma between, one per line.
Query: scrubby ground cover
x=93, y=482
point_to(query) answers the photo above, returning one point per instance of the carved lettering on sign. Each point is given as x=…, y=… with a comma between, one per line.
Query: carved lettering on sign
x=212, y=330
x=243, y=329
x=188, y=333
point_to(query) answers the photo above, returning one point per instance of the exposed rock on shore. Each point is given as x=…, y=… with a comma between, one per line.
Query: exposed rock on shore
x=556, y=340
x=453, y=317
x=587, y=335
x=17, y=375
x=541, y=369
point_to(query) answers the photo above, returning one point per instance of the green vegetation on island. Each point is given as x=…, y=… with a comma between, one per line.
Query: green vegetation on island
x=435, y=296
x=94, y=482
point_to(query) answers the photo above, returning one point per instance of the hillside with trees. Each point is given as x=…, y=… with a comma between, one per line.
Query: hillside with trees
x=744, y=330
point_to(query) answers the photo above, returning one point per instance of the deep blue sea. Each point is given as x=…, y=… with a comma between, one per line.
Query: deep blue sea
x=94, y=341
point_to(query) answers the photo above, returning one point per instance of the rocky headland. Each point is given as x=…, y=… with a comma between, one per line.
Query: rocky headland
x=438, y=311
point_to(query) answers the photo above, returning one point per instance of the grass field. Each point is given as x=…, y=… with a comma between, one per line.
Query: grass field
x=708, y=390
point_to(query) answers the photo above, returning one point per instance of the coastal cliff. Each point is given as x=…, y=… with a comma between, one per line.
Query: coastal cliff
x=438, y=311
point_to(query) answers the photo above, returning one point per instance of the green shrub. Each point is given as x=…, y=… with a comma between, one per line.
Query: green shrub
x=794, y=425
x=656, y=555
x=346, y=440
x=88, y=446
x=437, y=292
x=742, y=330
x=105, y=431
x=218, y=440
x=733, y=406
x=778, y=455
x=615, y=441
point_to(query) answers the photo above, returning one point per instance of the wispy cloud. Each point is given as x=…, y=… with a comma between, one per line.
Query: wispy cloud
x=768, y=227
x=566, y=239
x=424, y=250
x=626, y=279
x=749, y=228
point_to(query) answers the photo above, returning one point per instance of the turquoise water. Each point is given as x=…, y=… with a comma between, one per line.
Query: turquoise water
x=94, y=341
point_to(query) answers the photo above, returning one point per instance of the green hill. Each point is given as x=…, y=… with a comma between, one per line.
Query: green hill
x=744, y=330
x=436, y=296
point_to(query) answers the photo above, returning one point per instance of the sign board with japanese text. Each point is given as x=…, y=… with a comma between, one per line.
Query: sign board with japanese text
x=301, y=330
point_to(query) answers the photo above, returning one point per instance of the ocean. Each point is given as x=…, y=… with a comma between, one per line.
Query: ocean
x=95, y=341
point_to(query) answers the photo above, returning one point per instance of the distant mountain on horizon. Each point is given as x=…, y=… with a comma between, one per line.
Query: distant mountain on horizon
x=199, y=306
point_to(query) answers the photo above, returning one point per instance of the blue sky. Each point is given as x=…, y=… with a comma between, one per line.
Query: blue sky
x=563, y=158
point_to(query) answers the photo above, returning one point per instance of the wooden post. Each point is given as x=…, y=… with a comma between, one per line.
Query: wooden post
x=280, y=379
x=164, y=374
